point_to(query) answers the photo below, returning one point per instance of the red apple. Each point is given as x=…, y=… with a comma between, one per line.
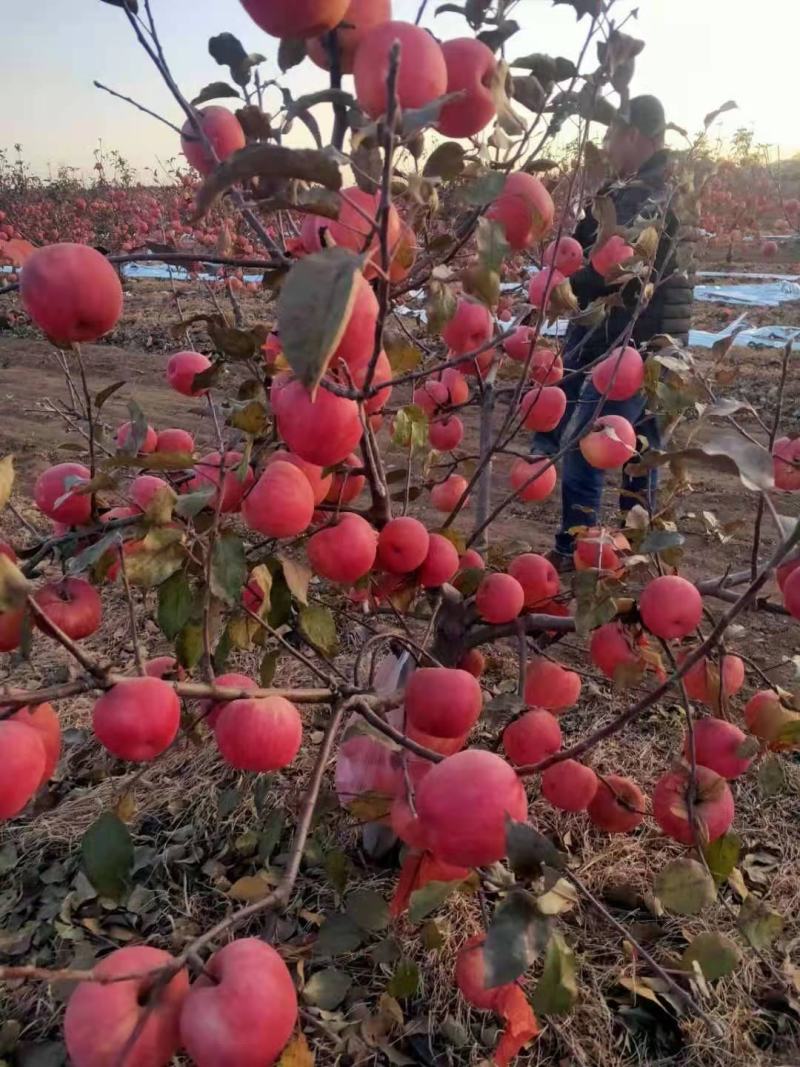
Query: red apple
x=713, y=806
x=471, y=69
x=109, y=1022
x=72, y=605
x=137, y=719
x=242, y=1010
x=71, y=292
x=259, y=733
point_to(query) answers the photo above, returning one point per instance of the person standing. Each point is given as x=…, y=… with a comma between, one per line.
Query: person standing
x=641, y=193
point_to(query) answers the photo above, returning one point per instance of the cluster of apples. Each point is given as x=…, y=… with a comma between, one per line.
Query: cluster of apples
x=739, y=200
x=241, y=1010
x=120, y=219
x=427, y=72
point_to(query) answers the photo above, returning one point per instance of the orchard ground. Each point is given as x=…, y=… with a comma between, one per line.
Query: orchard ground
x=199, y=828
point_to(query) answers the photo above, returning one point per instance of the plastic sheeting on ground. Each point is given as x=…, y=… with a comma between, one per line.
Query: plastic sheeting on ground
x=758, y=294
x=748, y=337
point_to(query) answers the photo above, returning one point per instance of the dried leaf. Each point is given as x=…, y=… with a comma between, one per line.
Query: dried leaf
x=6, y=479
x=297, y=576
x=250, y=888
x=267, y=161
x=446, y=161
x=715, y=954
x=685, y=887
x=759, y=923
x=215, y=91
x=729, y=105
x=297, y=1053
x=327, y=989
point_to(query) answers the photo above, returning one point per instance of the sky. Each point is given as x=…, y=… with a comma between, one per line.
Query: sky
x=699, y=53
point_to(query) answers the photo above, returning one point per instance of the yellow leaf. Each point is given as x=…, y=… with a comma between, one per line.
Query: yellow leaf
x=159, y=510
x=250, y=888
x=562, y=897
x=14, y=585
x=125, y=808
x=297, y=1053
x=6, y=479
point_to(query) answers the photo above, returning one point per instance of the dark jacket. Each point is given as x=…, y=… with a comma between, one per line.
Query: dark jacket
x=670, y=308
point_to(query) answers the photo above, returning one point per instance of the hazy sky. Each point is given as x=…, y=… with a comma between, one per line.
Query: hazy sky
x=698, y=54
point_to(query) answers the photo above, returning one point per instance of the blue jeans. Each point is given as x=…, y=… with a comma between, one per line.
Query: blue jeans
x=582, y=484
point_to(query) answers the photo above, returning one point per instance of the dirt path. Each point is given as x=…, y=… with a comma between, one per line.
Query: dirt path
x=30, y=374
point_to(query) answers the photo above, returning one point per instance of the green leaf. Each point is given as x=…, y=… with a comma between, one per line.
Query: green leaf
x=337, y=936
x=221, y=652
x=716, y=954
x=758, y=922
x=318, y=626
x=107, y=855
x=189, y=645
x=467, y=581
x=722, y=856
x=528, y=850
x=557, y=989
x=368, y=909
x=215, y=91
x=516, y=937
x=431, y=936
x=771, y=776
x=228, y=569
x=174, y=604
x=431, y=896
x=154, y=461
x=327, y=989
x=405, y=980
x=492, y=245
x=485, y=188
x=228, y=800
x=594, y=599
x=446, y=161
x=661, y=540
x=266, y=672
x=291, y=52
x=337, y=868
x=138, y=430
x=314, y=307
x=685, y=887
x=270, y=836
x=229, y=52
x=106, y=394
